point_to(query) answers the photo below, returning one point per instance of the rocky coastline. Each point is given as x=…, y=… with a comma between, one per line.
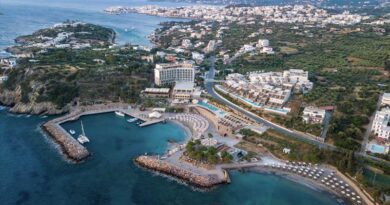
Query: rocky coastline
x=193, y=179
x=12, y=99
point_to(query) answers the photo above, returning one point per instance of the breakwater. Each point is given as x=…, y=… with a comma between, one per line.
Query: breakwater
x=68, y=145
x=189, y=177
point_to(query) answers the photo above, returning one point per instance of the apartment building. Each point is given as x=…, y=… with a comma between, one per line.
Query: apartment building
x=381, y=124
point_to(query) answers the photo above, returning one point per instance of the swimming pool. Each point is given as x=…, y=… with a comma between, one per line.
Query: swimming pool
x=377, y=148
x=212, y=108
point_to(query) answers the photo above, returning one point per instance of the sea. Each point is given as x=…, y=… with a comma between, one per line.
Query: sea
x=33, y=172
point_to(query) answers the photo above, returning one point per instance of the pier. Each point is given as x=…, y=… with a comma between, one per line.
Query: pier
x=69, y=146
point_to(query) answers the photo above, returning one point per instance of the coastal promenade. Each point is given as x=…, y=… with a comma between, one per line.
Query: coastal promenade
x=68, y=145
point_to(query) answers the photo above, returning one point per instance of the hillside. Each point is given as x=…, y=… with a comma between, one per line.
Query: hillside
x=54, y=78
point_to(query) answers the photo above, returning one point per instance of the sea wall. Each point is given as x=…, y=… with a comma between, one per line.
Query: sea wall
x=73, y=150
x=200, y=181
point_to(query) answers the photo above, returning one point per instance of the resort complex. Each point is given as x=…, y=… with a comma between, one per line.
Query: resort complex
x=297, y=91
x=270, y=90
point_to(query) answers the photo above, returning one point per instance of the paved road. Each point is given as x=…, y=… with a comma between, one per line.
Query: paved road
x=209, y=87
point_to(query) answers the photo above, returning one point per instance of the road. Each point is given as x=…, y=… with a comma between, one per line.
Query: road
x=209, y=85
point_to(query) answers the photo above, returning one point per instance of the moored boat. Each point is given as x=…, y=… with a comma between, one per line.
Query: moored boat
x=82, y=137
x=132, y=120
x=119, y=113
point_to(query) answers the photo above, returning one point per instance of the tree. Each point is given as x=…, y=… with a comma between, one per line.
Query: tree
x=387, y=64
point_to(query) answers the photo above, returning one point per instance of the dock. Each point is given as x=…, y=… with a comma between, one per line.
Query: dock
x=151, y=122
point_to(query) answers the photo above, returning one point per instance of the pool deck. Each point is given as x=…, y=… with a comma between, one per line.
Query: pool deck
x=68, y=145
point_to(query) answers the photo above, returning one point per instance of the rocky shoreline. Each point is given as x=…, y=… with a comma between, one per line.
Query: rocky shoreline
x=12, y=99
x=196, y=180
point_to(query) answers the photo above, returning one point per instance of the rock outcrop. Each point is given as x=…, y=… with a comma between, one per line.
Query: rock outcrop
x=12, y=99
x=38, y=108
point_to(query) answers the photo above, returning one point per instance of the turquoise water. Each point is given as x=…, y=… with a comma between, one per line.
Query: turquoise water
x=21, y=17
x=32, y=172
x=212, y=108
x=377, y=148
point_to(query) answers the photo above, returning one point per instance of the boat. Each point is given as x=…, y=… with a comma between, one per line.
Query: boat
x=119, y=113
x=72, y=132
x=132, y=120
x=82, y=137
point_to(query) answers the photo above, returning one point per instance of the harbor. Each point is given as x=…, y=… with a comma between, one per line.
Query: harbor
x=73, y=149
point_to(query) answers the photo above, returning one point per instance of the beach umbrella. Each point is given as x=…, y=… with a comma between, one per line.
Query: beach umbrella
x=343, y=192
x=348, y=195
x=358, y=197
x=342, y=187
x=353, y=198
x=359, y=202
x=353, y=193
x=322, y=181
x=315, y=178
x=333, y=186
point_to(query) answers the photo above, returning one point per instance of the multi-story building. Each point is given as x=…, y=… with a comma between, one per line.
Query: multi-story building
x=168, y=74
x=381, y=124
x=313, y=115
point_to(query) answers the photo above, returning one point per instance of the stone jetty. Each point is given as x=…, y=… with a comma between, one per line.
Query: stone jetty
x=68, y=145
x=194, y=179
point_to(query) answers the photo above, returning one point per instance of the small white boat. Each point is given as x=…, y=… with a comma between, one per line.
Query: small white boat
x=82, y=137
x=121, y=114
x=132, y=120
x=72, y=132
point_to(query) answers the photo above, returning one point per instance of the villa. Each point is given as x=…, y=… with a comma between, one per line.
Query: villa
x=313, y=115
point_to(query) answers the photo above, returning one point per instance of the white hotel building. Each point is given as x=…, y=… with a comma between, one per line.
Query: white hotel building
x=381, y=124
x=168, y=74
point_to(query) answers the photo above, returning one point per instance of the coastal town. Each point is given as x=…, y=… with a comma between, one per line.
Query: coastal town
x=243, y=104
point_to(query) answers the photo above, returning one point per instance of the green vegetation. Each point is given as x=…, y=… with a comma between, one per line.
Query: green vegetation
x=349, y=67
x=208, y=155
x=64, y=75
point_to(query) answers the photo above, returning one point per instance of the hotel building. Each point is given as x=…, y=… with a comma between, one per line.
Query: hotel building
x=168, y=74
